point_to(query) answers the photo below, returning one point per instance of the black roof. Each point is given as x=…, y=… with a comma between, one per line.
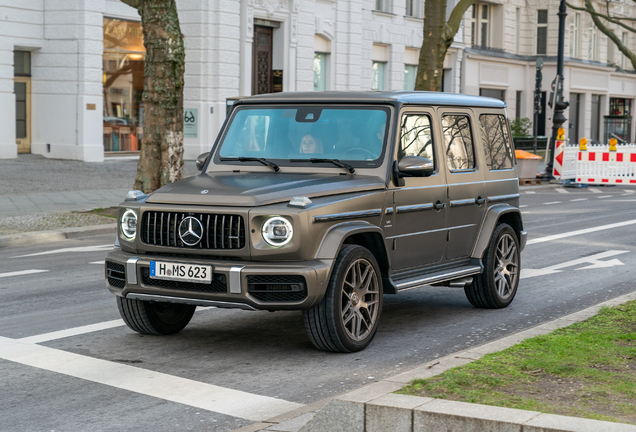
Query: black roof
x=392, y=97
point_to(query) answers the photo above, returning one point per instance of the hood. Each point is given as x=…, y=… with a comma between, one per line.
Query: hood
x=257, y=189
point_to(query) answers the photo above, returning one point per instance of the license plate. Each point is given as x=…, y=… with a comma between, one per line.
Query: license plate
x=181, y=272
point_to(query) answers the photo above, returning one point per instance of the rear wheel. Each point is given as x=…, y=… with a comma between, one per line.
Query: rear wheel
x=346, y=319
x=497, y=285
x=153, y=317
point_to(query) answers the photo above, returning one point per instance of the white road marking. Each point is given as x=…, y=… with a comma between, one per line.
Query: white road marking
x=530, y=192
x=605, y=196
x=21, y=272
x=593, y=190
x=579, y=232
x=523, y=206
x=622, y=200
x=563, y=191
x=580, y=199
x=98, y=262
x=628, y=192
x=60, y=334
x=167, y=387
x=99, y=248
x=552, y=202
x=594, y=261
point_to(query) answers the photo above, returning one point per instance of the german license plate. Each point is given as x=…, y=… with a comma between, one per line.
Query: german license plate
x=180, y=272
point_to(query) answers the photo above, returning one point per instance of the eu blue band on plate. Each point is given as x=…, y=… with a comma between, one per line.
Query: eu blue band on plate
x=152, y=268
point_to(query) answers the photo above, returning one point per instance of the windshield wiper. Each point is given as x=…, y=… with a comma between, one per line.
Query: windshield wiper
x=265, y=162
x=336, y=162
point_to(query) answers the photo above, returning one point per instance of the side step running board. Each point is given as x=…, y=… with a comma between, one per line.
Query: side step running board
x=420, y=280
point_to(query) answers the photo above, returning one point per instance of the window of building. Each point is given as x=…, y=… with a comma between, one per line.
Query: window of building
x=414, y=8
x=380, y=57
x=416, y=138
x=410, y=72
x=322, y=50
x=459, y=142
x=574, y=117
x=592, y=48
x=518, y=104
x=620, y=107
x=493, y=93
x=624, y=61
x=383, y=5
x=123, y=67
x=495, y=140
x=22, y=63
x=480, y=25
x=595, y=127
x=542, y=31
x=574, y=35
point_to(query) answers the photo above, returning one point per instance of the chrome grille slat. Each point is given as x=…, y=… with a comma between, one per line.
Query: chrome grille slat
x=227, y=230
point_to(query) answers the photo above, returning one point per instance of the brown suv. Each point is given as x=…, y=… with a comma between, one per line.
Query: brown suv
x=325, y=202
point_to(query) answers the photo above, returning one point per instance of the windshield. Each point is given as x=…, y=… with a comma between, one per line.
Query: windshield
x=287, y=134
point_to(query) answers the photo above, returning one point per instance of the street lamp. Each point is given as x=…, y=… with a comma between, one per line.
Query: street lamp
x=556, y=97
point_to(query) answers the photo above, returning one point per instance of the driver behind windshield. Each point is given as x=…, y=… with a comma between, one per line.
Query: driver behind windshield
x=309, y=144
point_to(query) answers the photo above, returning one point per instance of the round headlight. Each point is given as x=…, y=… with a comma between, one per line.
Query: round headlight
x=129, y=224
x=277, y=231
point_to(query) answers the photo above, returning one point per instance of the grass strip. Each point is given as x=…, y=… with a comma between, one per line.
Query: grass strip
x=585, y=370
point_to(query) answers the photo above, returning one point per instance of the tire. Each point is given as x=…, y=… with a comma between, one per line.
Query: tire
x=346, y=319
x=496, y=287
x=154, y=318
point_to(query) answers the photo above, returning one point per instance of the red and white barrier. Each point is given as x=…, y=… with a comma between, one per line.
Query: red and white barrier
x=599, y=165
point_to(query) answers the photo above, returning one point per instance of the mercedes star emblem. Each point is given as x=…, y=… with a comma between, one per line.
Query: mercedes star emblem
x=190, y=231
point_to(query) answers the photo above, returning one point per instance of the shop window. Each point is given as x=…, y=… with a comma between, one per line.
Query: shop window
x=495, y=140
x=542, y=31
x=618, y=123
x=123, y=76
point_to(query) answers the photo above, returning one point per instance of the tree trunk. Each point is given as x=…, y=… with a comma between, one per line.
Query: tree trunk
x=161, y=160
x=438, y=37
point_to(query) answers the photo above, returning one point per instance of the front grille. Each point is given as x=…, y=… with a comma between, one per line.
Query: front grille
x=220, y=231
x=116, y=274
x=277, y=288
x=218, y=285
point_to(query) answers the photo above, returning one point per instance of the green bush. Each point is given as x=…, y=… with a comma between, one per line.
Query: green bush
x=521, y=127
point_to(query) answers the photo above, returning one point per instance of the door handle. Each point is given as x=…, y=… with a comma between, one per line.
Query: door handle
x=480, y=200
x=439, y=205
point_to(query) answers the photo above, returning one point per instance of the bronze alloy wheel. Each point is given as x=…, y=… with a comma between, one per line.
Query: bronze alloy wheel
x=360, y=299
x=507, y=270
x=346, y=319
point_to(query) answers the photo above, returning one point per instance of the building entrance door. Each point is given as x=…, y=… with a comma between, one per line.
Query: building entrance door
x=22, y=90
x=262, y=60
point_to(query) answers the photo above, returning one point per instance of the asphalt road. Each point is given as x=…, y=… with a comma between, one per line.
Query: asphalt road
x=229, y=368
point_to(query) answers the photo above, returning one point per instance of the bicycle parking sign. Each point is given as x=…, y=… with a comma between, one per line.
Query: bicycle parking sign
x=190, y=124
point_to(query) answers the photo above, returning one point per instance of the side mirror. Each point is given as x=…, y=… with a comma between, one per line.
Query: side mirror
x=201, y=160
x=416, y=166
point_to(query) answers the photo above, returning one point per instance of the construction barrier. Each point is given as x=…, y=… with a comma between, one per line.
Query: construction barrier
x=607, y=164
x=559, y=147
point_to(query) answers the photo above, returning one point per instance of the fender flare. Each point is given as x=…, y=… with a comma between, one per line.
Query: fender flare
x=488, y=226
x=336, y=235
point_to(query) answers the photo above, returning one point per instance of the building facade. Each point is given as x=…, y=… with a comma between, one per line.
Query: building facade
x=71, y=72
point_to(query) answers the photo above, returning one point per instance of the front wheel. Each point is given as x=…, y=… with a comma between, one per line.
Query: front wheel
x=497, y=285
x=154, y=318
x=346, y=319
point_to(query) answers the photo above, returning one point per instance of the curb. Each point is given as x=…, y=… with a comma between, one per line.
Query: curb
x=375, y=408
x=55, y=235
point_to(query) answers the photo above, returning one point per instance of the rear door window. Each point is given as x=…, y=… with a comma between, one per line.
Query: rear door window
x=496, y=142
x=458, y=139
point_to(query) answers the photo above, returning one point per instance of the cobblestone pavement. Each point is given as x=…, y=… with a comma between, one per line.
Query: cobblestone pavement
x=50, y=221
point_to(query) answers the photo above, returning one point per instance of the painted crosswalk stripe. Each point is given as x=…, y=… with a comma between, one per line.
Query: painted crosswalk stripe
x=580, y=199
x=552, y=202
x=75, y=331
x=605, y=196
x=563, y=191
x=21, y=273
x=530, y=192
x=98, y=262
x=593, y=190
x=205, y=396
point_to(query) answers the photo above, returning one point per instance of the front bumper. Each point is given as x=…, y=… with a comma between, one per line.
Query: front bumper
x=233, y=283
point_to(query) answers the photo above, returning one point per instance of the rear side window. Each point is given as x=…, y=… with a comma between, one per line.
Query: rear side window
x=495, y=140
x=415, y=137
x=459, y=142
